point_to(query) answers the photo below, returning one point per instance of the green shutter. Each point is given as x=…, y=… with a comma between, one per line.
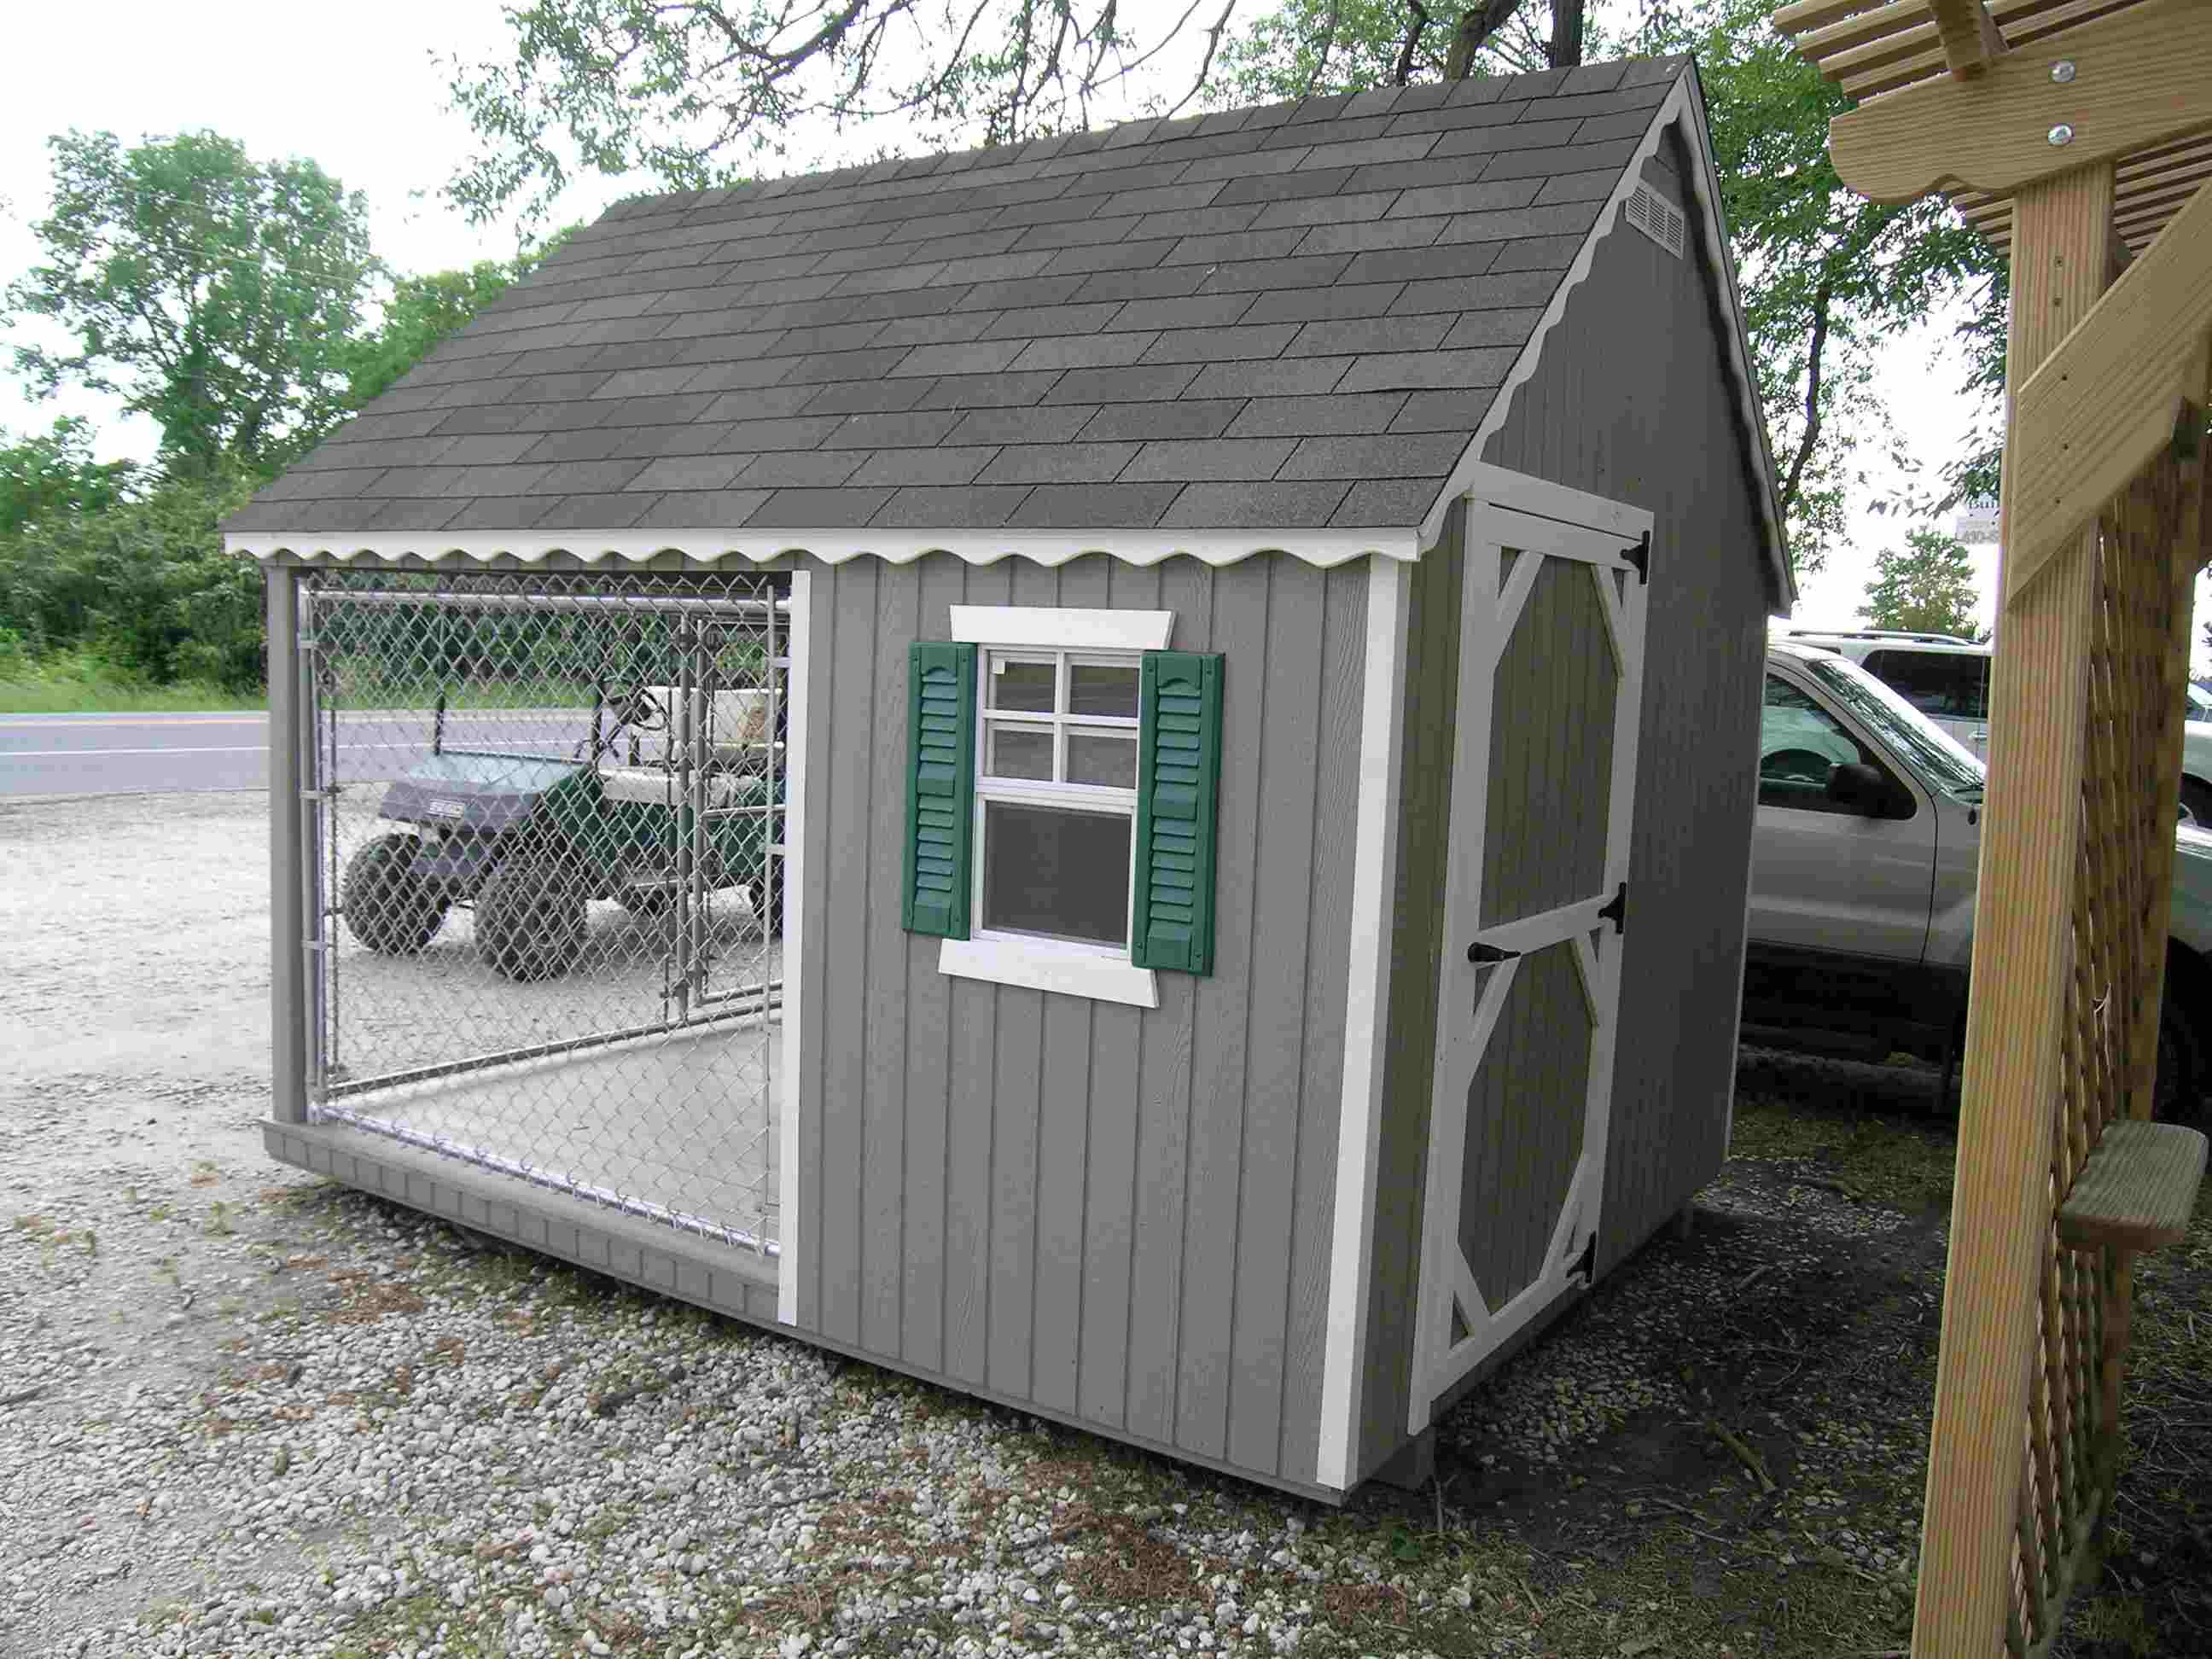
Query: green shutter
x=1178, y=781
x=941, y=788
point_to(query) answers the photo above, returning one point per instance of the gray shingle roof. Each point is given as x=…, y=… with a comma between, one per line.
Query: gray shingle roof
x=1293, y=317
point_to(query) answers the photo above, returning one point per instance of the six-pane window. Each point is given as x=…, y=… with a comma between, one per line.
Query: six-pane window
x=1057, y=787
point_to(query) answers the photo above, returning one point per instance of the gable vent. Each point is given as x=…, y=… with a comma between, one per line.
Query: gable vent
x=1657, y=218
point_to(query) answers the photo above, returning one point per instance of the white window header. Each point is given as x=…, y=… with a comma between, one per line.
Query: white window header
x=1062, y=629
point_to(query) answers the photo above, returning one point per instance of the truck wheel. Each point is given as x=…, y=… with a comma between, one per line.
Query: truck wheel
x=387, y=908
x=2177, y=1095
x=766, y=897
x=530, y=920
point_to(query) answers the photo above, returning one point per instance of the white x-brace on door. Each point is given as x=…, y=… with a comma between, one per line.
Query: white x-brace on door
x=1536, y=902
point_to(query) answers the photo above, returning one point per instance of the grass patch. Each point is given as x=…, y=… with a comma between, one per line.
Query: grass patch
x=1879, y=1148
x=81, y=683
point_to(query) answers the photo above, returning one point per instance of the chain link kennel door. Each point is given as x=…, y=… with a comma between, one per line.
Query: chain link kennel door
x=544, y=827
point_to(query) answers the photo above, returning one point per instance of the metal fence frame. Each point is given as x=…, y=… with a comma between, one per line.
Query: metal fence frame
x=304, y=883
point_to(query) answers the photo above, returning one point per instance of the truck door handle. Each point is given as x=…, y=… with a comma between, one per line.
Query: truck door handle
x=1483, y=956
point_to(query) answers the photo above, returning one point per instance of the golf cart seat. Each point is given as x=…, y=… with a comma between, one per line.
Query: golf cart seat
x=651, y=786
x=737, y=722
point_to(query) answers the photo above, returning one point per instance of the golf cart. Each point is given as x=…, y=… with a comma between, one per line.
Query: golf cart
x=527, y=840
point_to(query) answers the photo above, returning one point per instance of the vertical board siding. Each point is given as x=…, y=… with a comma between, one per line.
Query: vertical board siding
x=1401, y=1151
x=1632, y=401
x=1551, y=752
x=1119, y=1213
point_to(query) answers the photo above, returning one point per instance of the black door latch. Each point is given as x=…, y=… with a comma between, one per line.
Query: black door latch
x=1638, y=554
x=1616, y=909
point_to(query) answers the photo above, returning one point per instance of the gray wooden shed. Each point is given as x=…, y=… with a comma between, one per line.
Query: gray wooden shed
x=1266, y=613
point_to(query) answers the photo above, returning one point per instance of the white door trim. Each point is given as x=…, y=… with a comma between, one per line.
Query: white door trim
x=1366, y=1023
x=796, y=650
x=1448, y=1283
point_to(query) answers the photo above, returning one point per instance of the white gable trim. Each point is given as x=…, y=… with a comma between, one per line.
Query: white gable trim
x=1324, y=548
x=1681, y=103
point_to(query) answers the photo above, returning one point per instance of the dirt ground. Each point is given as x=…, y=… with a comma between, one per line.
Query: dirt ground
x=1720, y=1452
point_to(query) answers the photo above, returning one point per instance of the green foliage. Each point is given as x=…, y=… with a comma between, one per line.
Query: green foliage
x=207, y=290
x=144, y=584
x=1927, y=585
x=44, y=478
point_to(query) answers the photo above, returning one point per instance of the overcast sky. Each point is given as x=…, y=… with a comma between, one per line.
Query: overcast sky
x=359, y=92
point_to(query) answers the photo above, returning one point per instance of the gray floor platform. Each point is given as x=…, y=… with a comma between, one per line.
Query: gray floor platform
x=679, y=1126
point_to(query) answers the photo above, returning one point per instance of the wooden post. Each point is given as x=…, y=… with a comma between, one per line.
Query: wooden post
x=2001, y=1213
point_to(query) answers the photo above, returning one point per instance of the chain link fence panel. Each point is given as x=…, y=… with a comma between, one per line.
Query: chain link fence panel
x=544, y=820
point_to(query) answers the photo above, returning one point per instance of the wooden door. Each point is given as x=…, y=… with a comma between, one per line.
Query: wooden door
x=1536, y=902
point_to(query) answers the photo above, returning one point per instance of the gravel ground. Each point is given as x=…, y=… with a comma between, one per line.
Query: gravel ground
x=242, y=1412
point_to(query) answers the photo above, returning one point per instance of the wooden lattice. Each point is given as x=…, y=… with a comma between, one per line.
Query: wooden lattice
x=2108, y=1038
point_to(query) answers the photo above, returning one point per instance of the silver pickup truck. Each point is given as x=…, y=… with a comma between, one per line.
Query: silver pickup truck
x=1863, y=881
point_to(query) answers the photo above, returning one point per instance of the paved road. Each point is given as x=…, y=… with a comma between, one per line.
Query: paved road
x=164, y=754
x=131, y=754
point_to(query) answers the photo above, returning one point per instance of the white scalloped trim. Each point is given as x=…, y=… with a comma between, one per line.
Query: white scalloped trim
x=717, y=547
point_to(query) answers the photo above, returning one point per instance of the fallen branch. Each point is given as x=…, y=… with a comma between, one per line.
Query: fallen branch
x=23, y=1396
x=1748, y=1457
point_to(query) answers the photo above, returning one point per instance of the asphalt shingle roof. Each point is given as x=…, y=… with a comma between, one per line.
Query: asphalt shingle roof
x=1286, y=318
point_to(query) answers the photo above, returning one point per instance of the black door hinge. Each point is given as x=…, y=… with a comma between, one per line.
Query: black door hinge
x=1586, y=1263
x=1484, y=954
x=1638, y=553
x=1616, y=912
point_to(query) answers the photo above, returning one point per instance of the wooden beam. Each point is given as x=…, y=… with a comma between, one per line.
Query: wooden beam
x=1971, y=40
x=2141, y=76
x=2001, y=1203
x=2107, y=399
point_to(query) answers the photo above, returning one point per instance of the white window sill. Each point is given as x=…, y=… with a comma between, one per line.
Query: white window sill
x=1040, y=965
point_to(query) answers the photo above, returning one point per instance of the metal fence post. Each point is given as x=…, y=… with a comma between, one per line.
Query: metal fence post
x=287, y=919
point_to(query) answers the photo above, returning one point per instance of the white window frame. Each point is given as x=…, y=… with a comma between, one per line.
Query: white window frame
x=1104, y=973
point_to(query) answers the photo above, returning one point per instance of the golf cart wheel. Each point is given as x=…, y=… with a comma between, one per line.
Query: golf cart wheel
x=387, y=908
x=530, y=920
x=766, y=897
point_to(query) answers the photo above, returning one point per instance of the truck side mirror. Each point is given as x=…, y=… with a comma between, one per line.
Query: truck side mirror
x=1861, y=787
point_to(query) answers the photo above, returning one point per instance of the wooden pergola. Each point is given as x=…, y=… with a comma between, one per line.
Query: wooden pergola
x=2078, y=134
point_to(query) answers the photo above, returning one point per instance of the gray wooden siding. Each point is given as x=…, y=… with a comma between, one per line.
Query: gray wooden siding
x=1121, y=1215
x=1632, y=401
x=1401, y=1157
x=1525, y=1111
x=1551, y=749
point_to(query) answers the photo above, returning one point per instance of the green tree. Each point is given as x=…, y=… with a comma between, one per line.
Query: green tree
x=205, y=290
x=144, y=583
x=43, y=478
x=1927, y=586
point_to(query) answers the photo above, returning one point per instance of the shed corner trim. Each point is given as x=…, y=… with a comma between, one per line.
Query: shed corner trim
x=1366, y=1024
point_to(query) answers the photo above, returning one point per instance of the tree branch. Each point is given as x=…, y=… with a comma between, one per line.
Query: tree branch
x=1405, y=70
x=1476, y=25
x=1822, y=301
